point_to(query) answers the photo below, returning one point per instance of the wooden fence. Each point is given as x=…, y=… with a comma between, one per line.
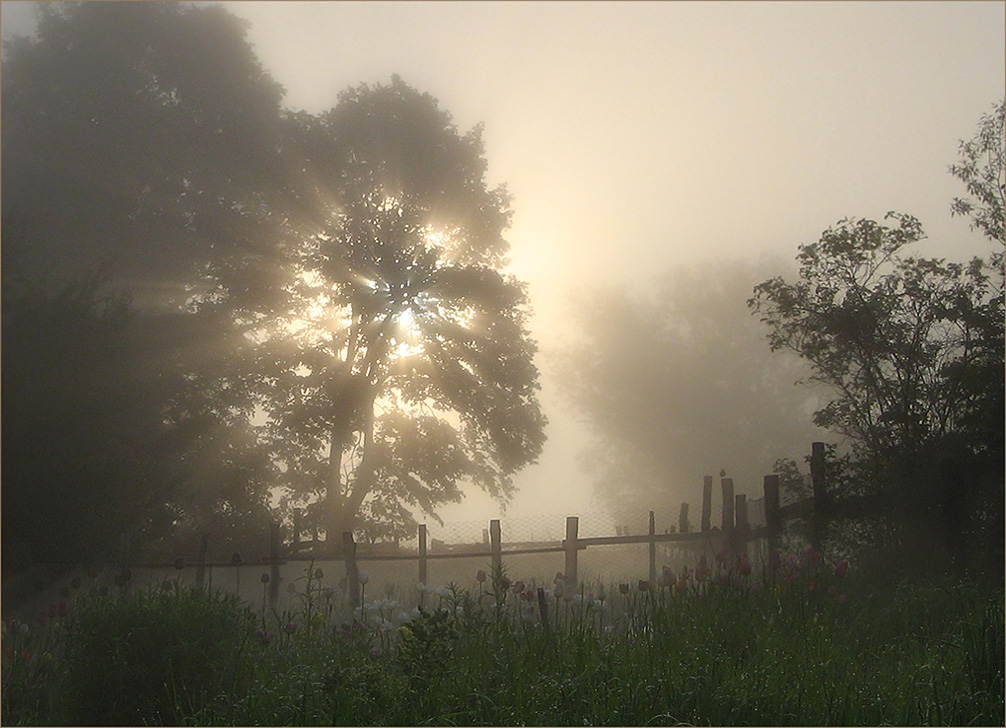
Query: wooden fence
x=734, y=532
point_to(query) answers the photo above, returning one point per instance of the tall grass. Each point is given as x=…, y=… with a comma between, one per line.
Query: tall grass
x=800, y=646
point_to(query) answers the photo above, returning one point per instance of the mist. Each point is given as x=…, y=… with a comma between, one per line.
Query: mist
x=661, y=160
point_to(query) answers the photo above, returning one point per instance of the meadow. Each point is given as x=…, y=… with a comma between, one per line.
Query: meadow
x=798, y=642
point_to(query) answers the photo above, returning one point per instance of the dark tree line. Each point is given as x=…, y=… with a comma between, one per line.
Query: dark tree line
x=209, y=300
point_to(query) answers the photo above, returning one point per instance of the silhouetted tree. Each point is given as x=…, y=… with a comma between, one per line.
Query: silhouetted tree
x=397, y=364
x=676, y=384
x=912, y=349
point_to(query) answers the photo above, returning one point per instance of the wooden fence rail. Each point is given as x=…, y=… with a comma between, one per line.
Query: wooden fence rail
x=734, y=533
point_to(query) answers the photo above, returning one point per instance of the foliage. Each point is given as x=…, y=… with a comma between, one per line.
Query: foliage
x=676, y=384
x=981, y=169
x=388, y=353
x=802, y=643
x=912, y=351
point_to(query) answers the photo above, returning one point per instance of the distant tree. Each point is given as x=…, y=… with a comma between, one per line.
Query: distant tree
x=388, y=353
x=675, y=383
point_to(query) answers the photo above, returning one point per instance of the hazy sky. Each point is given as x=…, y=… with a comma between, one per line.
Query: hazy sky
x=637, y=136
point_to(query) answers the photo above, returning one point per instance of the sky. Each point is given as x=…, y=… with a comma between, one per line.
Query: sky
x=639, y=136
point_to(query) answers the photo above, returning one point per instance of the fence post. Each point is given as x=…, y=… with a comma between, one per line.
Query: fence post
x=707, y=501
x=727, y=484
x=653, y=550
x=817, y=479
x=683, y=526
x=274, y=568
x=204, y=540
x=352, y=570
x=572, y=526
x=422, y=553
x=496, y=545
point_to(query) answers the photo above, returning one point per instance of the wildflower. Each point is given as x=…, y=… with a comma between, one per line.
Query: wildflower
x=518, y=587
x=702, y=570
x=841, y=598
x=404, y=632
x=46, y=657
x=291, y=588
x=644, y=586
x=416, y=613
x=842, y=569
x=23, y=628
x=43, y=617
x=623, y=588
x=757, y=586
x=722, y=556
x=559, y=589
x=811, y=587
x=811, y=556
x=667, y=577
x=289, y=627
x=363, y=578
x=480, y=576
x=264, y=636
x=264, y=578
x=504, y=582
x=559, y=577
x=681, y=587
x=832, y=591
x=774, y=560
x=318, y=573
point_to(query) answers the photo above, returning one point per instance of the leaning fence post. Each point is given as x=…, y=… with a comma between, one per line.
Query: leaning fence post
x=422, y=553
x=495, y=545
x=683, y=519
x=352, y=571
x=653, y=549
x=572, y=525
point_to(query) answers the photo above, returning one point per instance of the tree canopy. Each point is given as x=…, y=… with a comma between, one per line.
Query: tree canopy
x=321, y=297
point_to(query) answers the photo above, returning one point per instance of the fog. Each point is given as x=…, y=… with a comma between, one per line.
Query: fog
x=638, y=138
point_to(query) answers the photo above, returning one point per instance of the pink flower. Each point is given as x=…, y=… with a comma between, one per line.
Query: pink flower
x=842, y=569
x=624, y=588
x=480, y=576
x=811, y=556
x=743, y=566
x=289, y=627
x=518, y=587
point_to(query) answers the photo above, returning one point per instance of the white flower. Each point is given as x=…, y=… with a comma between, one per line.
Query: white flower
x=422, y=588
x=401, y=618
x=364, y=577
x=415, y=613
x=386, y=626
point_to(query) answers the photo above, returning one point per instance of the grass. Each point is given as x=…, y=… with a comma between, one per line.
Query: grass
x=803, y=646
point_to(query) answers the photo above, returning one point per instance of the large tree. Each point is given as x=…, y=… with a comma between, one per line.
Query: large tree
x=389, y=356
x=675, y=383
